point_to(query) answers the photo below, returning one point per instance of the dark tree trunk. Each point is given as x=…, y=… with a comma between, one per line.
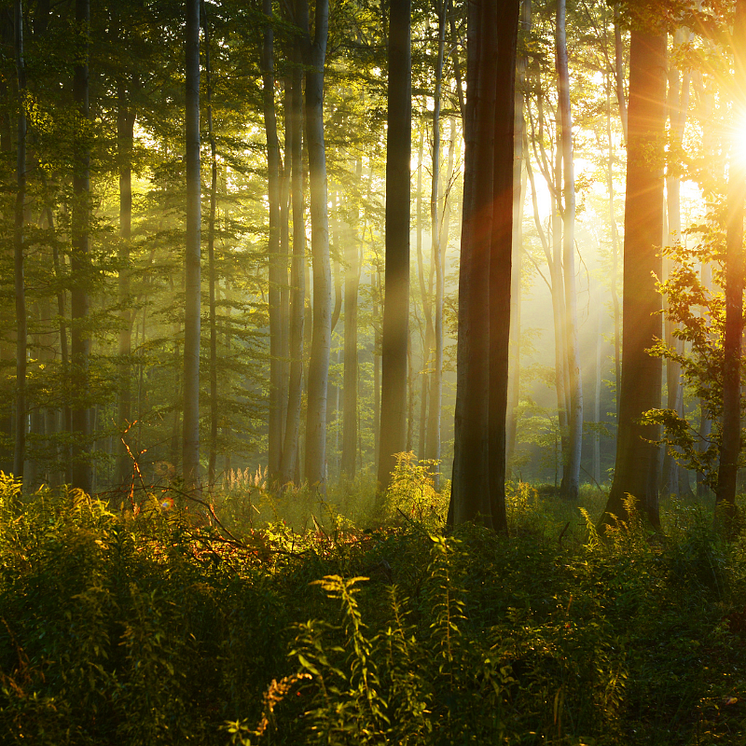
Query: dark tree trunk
x=80, y=266
x=294, y=122
x=277, y=394
x=730, y=446
x=19, y=455
x=125, y=138
x=395, y=335
x=192, y=323
x=484, y=286
x=637, y=454
x=318, y=365
x=212, y=271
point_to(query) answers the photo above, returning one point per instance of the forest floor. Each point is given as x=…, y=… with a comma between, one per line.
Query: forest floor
x=283, y=622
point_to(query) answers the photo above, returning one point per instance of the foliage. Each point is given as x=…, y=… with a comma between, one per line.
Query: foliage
x=158, y=626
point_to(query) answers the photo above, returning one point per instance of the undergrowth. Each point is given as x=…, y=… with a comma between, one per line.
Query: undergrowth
x=174, y=623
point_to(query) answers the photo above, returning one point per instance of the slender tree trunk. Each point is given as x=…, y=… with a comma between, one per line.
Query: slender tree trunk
x=211, y=264
x=80, y=265
x=349, y=404
x=436, y=377
x=276, y=280
x=19, y=455
x=730, y=446
x=597, y=405
x=518, y=196
x=294, y=126
x=575, y=381
x=616, y=308
x=426, y=310
x=318, y=366
x=637, y=459
x=125, y=138
x=678, y=102
x=396, y=298
x=619, y=71
x=190, y=432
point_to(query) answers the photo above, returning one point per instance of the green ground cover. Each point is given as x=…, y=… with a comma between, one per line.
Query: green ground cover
x=159, y=626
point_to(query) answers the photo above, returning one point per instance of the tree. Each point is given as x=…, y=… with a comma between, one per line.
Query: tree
x=80, y=266
x=396, y=278
x=730, y=446
x=314, y=57
x=190, y=439
x=18, y=250
x=484, y=285
x=637, y=454
x=571, y=472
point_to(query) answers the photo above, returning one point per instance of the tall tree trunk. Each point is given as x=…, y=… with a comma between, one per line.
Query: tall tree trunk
x=478, y=490
x=318, y=366
x=619, y=71
x=730, y=446
x=211, y=264
x=616, y=309
x=571, y=479
x=294, y=127
x=678, y=102
x=190, y=431
x=352, y=283
x=125, y=139
x=19, y=455
x=80, y=265
x=518, y=195
x=436, y=377
x=276, y=280
x=426, y=309
x=396, y=285
x=636, y=469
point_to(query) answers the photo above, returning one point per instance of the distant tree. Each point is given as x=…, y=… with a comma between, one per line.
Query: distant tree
x=80, y=265
x=18, y=250
x=190, y=439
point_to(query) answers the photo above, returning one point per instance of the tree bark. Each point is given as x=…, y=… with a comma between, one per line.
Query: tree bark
x=80, y=266
x=19, y=455
x=125, y=138
x=571, y=475
x=730, y=446
x=478, y=491
x=395, y=335
x=518, y=196
x=276, y=280
x=294, y=125
x=436, y=377
x=318, y=366
x=192, y=331
x=349, y=403
x=212, y=457
x=637, y=455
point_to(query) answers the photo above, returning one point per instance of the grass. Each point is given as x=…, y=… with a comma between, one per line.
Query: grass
x=287, y=624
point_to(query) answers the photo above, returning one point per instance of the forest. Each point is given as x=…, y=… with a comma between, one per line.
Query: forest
x=371, y=372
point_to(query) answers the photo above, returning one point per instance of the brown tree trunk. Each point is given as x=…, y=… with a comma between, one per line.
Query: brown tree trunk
x=294, y=127
x=19, y=455
x=277, y=393
x=80, y=266
x=637, y=459
x=478, y=491
x=318, y=366
x=395, y=335
x=730, y=446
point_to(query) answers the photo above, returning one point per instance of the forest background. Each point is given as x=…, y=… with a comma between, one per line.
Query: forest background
x=101, y=316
